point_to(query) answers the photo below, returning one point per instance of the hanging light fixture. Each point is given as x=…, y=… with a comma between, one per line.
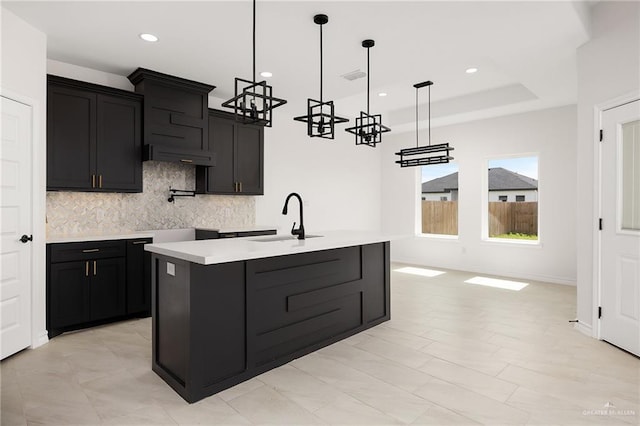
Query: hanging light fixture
x=320, y=118
x=369, y=128
x=428, y=154
x=253, y=101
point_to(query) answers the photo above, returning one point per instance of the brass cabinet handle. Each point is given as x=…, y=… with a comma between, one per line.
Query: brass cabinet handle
x=235, y=186
x=95, y=268
x=90, y=250
x=86, y=268
x=185, y=160
x=100, y=181
x=93, y=181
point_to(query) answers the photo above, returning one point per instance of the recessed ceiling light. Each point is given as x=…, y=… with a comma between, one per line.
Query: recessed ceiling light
x=266, y=74
x=471, y=70
x=148, y=37
x=382, y=94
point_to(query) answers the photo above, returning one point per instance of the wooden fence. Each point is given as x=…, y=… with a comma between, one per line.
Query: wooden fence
x=441, y=217
x=519, y=217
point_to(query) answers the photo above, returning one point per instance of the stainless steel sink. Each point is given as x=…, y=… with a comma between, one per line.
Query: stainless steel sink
x=282, y=238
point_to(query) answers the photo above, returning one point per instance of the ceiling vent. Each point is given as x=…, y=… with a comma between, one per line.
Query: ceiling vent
x=354, y=75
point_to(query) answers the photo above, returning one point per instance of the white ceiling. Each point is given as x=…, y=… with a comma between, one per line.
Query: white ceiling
x=525, y=51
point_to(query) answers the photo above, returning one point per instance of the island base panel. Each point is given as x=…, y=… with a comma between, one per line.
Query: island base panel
x=225, y=323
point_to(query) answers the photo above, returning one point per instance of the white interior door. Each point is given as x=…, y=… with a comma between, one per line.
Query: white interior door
x=15, y=221
x=620, y=236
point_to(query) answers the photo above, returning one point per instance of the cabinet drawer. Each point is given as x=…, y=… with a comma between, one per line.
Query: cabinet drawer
x=67, y=252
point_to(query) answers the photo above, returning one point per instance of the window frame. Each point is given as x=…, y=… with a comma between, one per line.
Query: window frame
x=484, y=216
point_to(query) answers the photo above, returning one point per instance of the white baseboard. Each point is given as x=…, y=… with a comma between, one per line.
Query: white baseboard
x=583, y=328
x=40, y=340
x=507, y=274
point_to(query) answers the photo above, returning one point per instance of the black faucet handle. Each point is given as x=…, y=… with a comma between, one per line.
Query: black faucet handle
x=294, y=231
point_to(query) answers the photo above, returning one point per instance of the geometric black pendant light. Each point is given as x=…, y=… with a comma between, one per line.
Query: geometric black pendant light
x=428, y=154
x=369, y=128
x=320, y=118
x=253, y=101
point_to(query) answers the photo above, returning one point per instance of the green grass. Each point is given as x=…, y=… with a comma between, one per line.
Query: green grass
x=516, y=236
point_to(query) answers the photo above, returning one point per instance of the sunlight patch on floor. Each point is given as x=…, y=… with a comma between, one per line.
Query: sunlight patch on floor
x=494, y=282
x=423, y=272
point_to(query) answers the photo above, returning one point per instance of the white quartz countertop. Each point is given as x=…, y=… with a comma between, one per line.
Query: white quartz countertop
x=208, y=252
x=97, y=236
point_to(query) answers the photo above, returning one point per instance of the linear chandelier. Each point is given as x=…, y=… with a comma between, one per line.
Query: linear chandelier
x=369, y=128
x=253, y=101
x=428, y=154
x=320, y=118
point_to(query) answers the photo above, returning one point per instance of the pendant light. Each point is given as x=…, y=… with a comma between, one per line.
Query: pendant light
x=320, y=118
x=369, y=128
x=253, y=101
x=428, y=154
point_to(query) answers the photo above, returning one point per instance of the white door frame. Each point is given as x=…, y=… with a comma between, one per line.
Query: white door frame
x=597, y=166
x=38, y=192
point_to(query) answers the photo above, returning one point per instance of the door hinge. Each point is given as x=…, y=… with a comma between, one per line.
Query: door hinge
x=599, y=312
x=600, y=224
x=601, y=135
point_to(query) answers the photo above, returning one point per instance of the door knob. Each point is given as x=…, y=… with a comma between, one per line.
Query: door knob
x=26, y=238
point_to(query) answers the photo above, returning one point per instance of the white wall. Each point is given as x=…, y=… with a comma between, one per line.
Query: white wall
x=338, y=181
x=23, y=77
x=550, y=134
x=608, y=67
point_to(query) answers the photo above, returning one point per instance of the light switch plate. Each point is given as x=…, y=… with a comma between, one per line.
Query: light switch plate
x=171, y=269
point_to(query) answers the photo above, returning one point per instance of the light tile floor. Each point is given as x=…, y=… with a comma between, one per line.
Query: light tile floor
x=453, y=353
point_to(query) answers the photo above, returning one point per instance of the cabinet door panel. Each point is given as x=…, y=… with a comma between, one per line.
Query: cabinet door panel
x=119, y=146
x=138, y=277
x=69, y=294
x=250, y=159
x=221, y=178
x=107, y=278
x=71, y=138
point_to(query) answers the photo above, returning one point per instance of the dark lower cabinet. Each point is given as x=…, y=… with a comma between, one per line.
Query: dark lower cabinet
x=90, y=283
x=218, y=325
x=68, y=289
x=138, y=277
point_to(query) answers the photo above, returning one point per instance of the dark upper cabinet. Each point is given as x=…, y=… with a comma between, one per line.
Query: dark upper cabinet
x=94, y=137
x=138, y=277
x=239, y=150
x=175, y=118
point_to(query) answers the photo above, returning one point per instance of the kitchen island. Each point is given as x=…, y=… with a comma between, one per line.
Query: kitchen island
x=227, y=310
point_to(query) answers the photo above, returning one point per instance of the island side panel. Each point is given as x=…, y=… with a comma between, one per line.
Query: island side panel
x=218, y=326
x=376, y=276
x=171, y=321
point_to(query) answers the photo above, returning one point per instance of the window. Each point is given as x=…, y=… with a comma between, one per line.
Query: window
x=439, y=208
x=510, y=179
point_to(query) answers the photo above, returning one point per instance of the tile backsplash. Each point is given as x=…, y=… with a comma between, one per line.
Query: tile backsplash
x=85, y=212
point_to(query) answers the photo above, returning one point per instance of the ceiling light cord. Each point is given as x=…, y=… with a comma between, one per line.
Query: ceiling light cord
x=254, y=41
x=429, y=87
x=321, y=100
x=368, y=48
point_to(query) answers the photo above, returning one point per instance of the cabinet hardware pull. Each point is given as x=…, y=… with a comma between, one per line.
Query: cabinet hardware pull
x=184, y=160
x=90, y=250
x=93, y=181
x=235, y=186
x=100, y=181
x=140, y=242
x=86, y=268
x=95, y=268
